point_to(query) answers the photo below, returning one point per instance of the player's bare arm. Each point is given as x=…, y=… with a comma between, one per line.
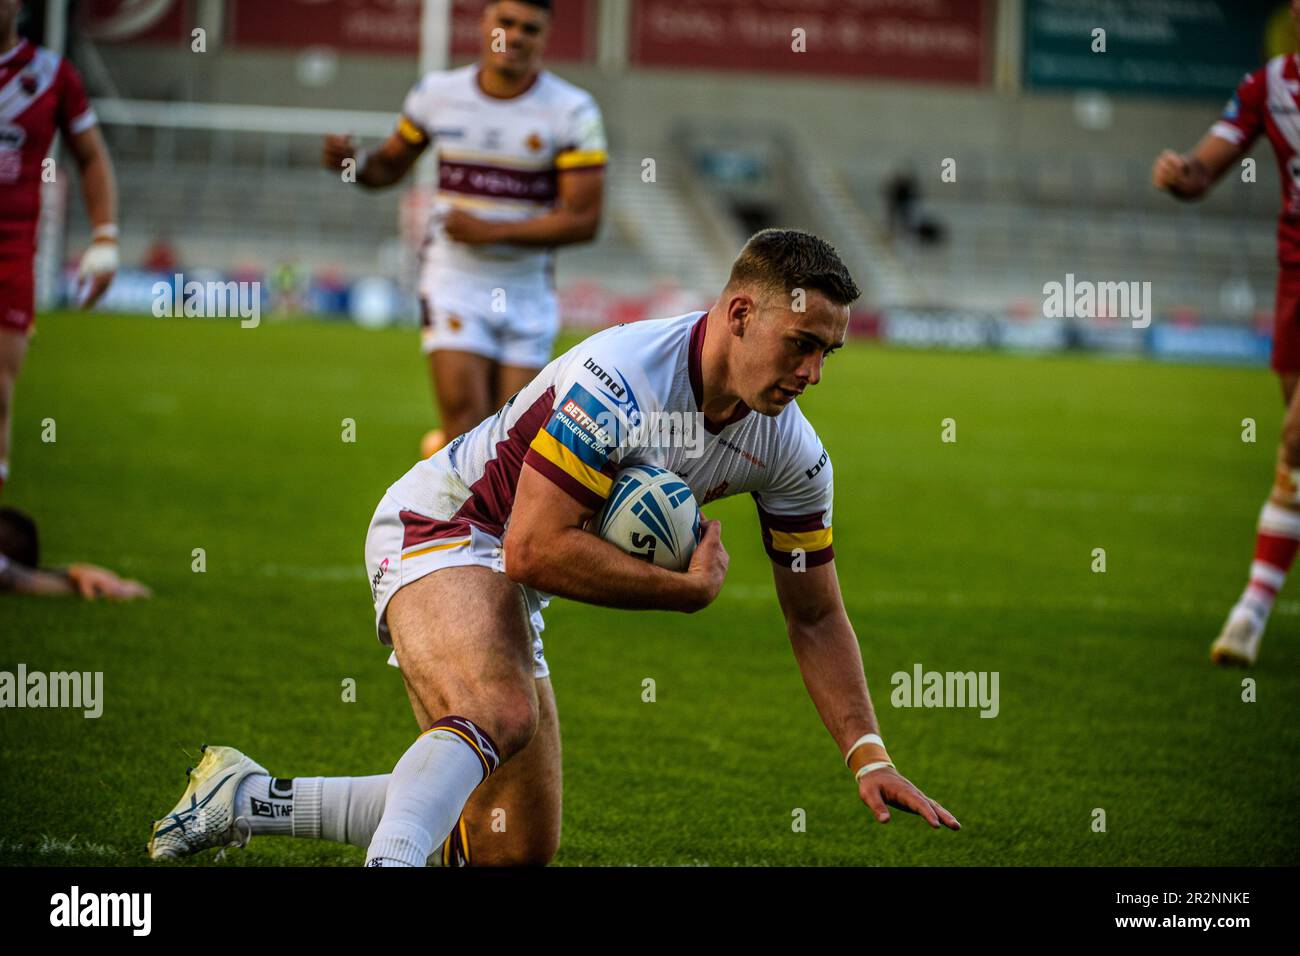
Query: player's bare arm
x=826, y=650
x=382, y=166
x=575, y=218
x=547, y=548
x=83, y=580
x=99, y=190
x=1191, y=175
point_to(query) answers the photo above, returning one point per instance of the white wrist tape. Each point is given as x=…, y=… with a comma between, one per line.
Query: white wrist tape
x=101, y=257
x=867, y=768
x=107, y=231
x=864, y=739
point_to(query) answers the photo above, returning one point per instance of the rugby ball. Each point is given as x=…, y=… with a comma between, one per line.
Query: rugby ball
x=652, y=515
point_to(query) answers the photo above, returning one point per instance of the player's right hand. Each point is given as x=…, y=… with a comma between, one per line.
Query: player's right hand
x=709, y=561
x=1171, y=171
x=336, y=148
x=886, y=787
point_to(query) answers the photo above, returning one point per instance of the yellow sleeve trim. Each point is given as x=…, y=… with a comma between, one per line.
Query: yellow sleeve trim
x=546, y=445
x=581, y=157
x=808, y=540
x=410, y=132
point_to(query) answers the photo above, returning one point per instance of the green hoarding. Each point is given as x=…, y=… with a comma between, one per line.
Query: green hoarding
x=1198, y=48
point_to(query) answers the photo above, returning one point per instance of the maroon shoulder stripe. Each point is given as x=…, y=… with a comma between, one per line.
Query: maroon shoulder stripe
x=493, y=495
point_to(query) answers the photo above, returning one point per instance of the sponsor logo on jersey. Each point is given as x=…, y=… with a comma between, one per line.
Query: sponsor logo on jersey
x=753, y=460
x=533, y=142
x=821, y=463
x=716, y=492
x=618, y=391
x=615, y=388
x=583, y=425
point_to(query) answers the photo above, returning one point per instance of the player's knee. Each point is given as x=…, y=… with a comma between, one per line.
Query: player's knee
x=513, y=722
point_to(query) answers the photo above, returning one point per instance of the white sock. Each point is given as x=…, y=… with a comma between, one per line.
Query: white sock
x=428, y=790
x=338, y=809
x=341, y=809
x=266, y=802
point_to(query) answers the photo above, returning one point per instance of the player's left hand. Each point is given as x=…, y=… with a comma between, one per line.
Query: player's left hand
x=463, y=227
x=886, y=788
x=98, y=266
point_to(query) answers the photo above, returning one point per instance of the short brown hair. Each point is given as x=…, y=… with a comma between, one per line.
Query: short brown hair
x=780, y=260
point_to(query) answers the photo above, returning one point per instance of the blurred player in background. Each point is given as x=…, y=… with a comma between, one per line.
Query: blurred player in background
x=1266, y=102
x=521, y=157
x=39, y=93
x=21, y=573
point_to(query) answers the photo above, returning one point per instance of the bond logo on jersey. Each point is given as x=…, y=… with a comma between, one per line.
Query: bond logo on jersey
x=821, y=463
x=619, y=392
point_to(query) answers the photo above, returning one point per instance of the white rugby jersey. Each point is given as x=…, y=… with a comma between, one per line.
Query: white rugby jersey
x=499, y=159
x=576, y=423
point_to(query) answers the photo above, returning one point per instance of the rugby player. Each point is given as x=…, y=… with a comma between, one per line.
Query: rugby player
x=464, y=551
x=40, y=92
x=1266, y=102
x=521, y=157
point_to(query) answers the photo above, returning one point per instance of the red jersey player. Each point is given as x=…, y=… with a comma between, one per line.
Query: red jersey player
x=39, y=93
x=1267, y=102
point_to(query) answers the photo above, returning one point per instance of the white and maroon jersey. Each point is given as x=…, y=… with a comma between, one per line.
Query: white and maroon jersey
x=39, y=93
x=576, y=424
x=1268, y=101
x=499, y=159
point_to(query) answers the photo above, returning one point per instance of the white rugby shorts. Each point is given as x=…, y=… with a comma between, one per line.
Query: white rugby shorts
x=511, y=323
x=404, y=544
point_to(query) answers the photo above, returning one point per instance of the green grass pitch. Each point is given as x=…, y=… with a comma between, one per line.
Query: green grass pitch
x=975, y=555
